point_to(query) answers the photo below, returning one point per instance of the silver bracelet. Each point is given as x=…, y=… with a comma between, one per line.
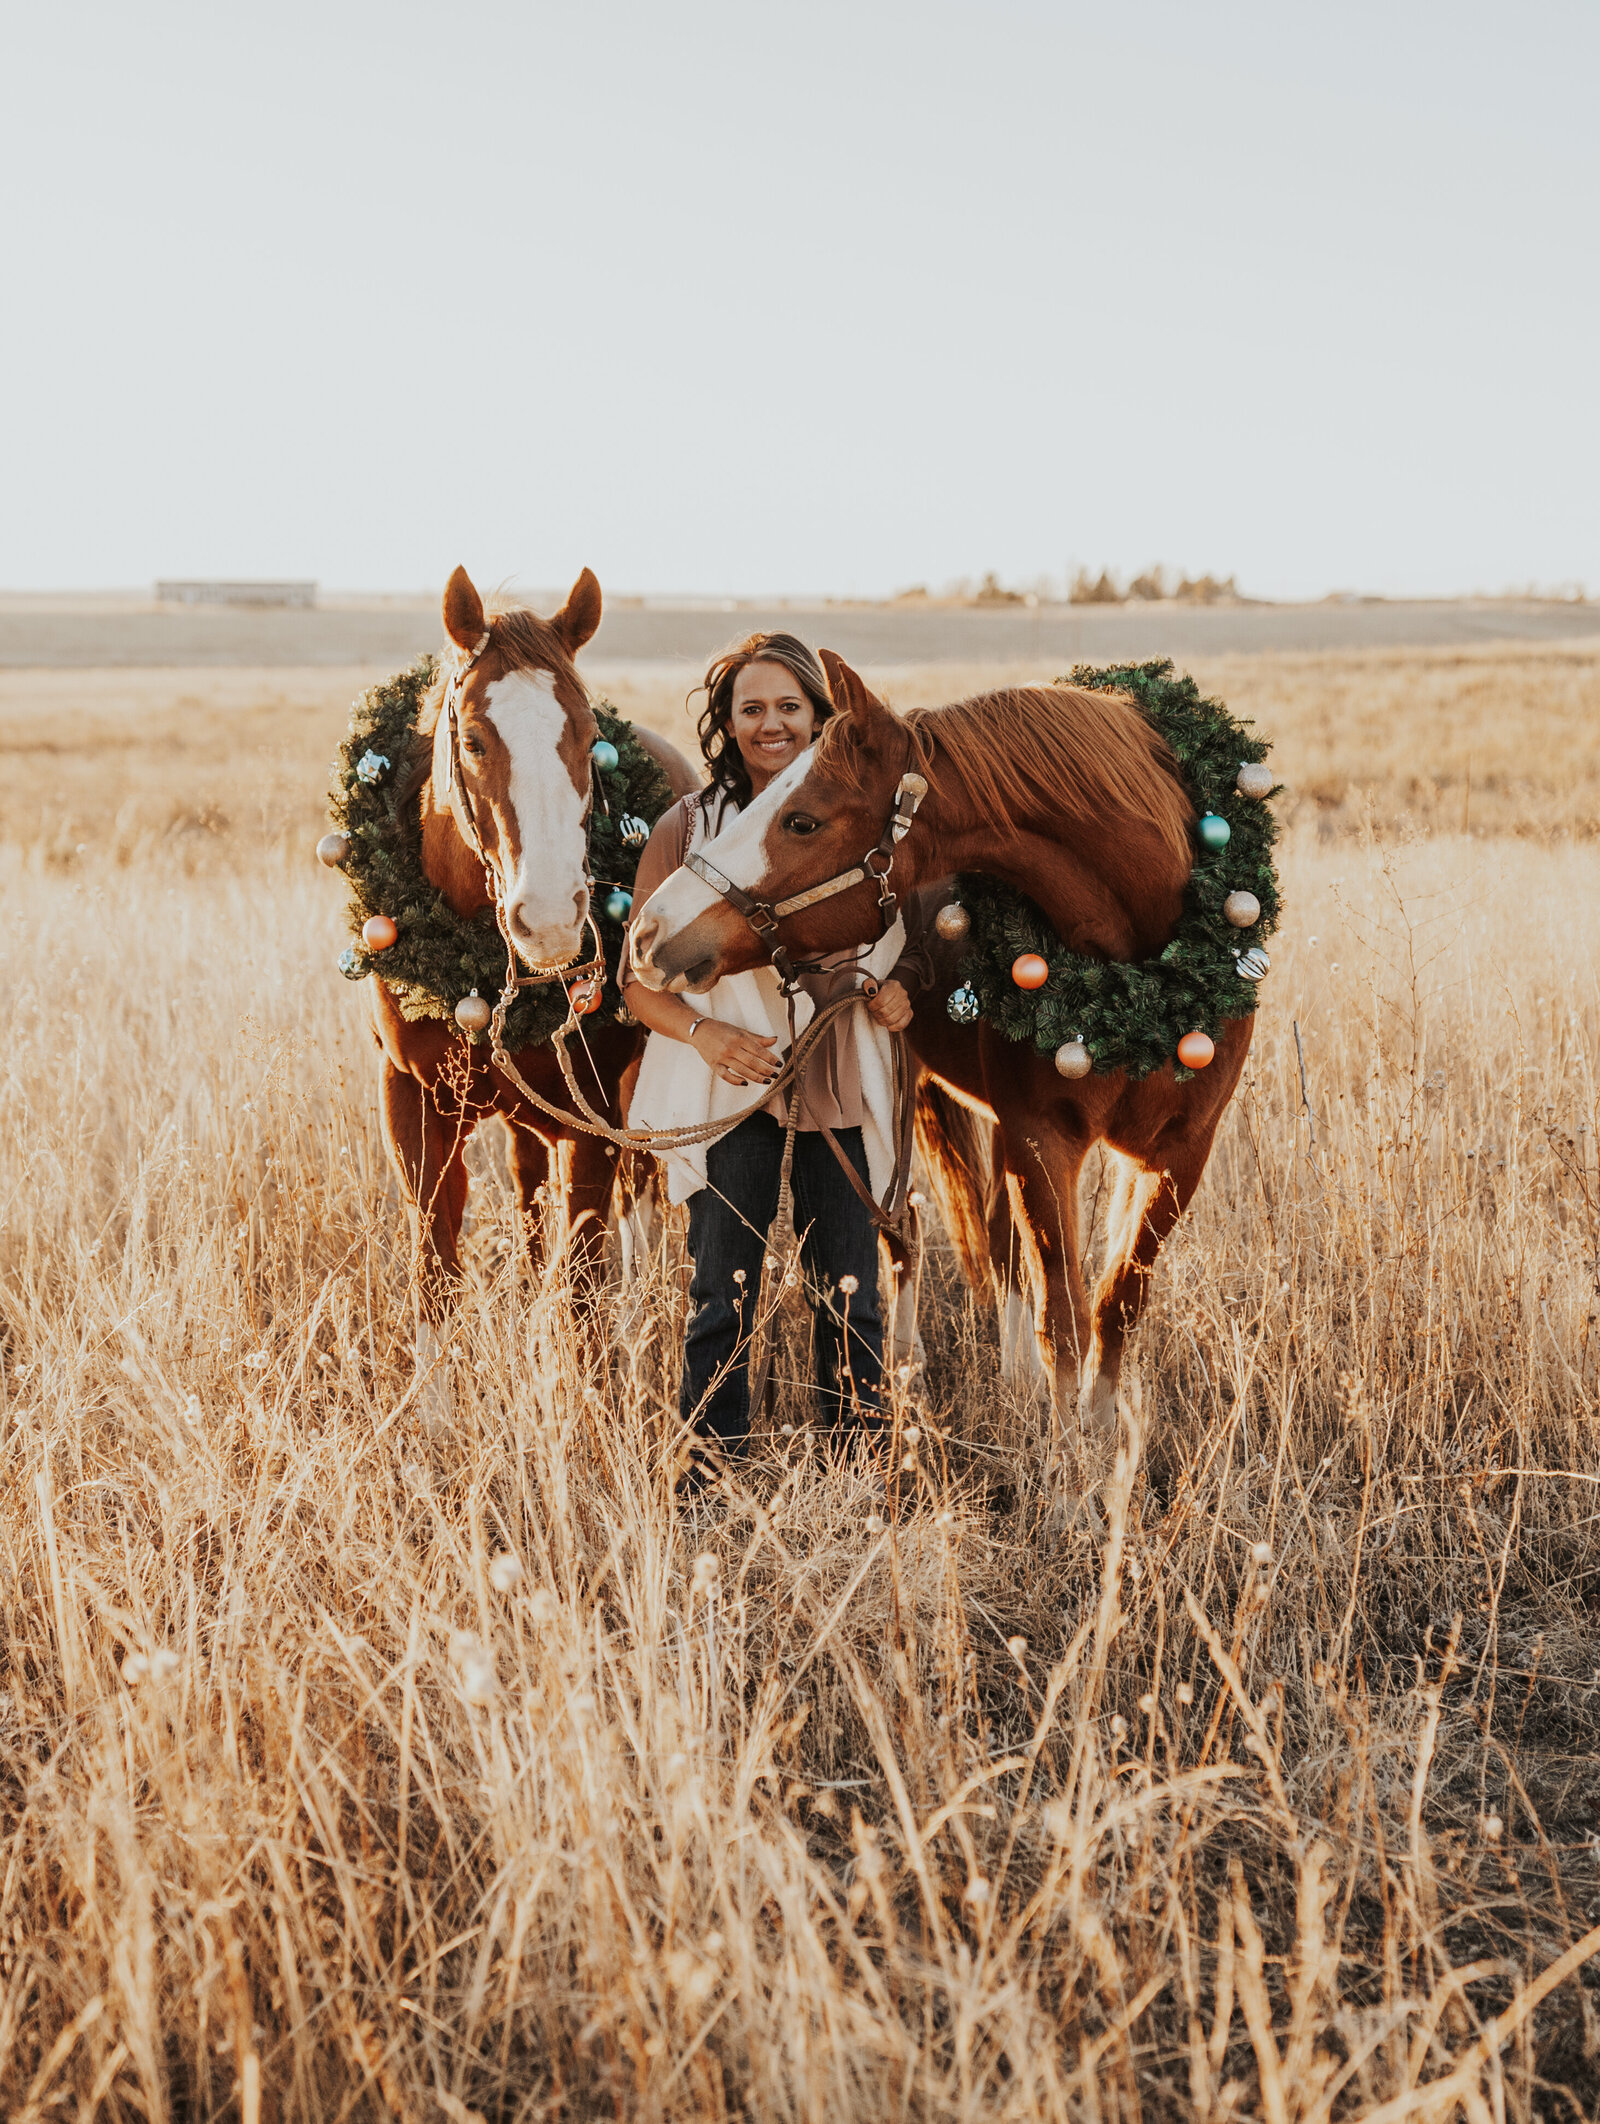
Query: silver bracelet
x=695, y=1027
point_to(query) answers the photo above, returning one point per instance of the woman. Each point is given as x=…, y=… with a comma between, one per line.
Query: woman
x=765, y=702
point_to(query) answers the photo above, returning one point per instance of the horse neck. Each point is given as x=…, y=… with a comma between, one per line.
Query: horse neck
x=449, y=863
x=1110, y=887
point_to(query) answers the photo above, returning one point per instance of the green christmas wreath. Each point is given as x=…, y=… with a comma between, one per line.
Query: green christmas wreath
x=439, y=956
x=1131, y=1017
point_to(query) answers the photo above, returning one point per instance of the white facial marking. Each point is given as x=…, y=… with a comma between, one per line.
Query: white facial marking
x=735, y=851
x=546, y=898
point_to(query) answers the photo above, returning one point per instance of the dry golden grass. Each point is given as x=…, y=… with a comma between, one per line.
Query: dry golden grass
x=349, y=1769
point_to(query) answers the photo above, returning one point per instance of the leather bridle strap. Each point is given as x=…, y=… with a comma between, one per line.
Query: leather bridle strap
x=875, y=867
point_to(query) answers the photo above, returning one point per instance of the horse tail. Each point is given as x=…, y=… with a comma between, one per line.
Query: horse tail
x=957, y=1148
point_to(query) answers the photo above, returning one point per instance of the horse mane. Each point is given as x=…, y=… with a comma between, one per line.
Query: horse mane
x=1061, y=748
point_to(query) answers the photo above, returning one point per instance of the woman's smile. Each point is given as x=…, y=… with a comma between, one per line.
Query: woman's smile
x=773, y=720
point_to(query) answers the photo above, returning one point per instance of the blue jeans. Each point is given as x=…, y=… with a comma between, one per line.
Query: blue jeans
x=728, y=1221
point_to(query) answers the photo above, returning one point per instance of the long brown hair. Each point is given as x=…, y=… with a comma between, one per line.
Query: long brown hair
x=729, y=775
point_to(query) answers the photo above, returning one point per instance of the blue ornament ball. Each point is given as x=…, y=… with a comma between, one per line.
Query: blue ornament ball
x=619, y=904
x=604, y=755
x=964, y=1006
x=1215, y=832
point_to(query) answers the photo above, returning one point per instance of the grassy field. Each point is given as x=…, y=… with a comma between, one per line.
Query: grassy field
x=350, y=1768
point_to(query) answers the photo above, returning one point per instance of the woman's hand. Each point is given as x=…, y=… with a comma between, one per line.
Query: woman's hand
x=891, y=1007
x=737, y=1056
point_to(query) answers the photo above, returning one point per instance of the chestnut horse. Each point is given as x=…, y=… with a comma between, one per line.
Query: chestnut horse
x=525, y=728
x=1072, y=798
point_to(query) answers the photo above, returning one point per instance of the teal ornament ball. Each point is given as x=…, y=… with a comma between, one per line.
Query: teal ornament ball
x=352, y=965
x=619, y=904
x=605, y=755
x=1215, y=832
x=963, y=1006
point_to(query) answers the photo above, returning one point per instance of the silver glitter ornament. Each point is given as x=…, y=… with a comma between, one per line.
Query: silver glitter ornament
x=473, y=1013
x=1073, y=1059
x=1242, y=909
x=371, y=766
x=964, y=1006
x=1254, y=780
x=332, y=849
x=1253, y=965
x=352, y=965
x=634, y=831
x=952, y=922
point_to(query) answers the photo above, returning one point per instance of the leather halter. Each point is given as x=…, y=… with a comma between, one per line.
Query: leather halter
x=875, y=866
x=592, y=968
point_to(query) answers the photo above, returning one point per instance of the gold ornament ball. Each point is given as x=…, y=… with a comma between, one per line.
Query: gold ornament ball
x=378, y=932
x=1242, y=909
x=332, y=849
x=1073, y=1059
x=952, y=922
x=1195, y=1050
x=1254, y=780
x=1028, y=970
x=473, y=1013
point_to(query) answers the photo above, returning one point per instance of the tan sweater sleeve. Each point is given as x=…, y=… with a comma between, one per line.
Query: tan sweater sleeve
x=664, y=853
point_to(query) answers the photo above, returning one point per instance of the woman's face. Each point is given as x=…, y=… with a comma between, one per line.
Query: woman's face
x=773, y=720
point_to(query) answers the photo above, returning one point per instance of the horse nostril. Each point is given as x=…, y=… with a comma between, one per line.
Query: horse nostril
x=644, y=937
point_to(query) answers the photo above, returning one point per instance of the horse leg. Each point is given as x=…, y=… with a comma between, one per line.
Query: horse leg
x=426, y=1150
x=1042, y=1169
x=1150, y=1199
x=528, y=1155
x=1020, y=1363
x=904, y=1339
x=1163, y=1137
x=638, y=1208
x=591, y=1176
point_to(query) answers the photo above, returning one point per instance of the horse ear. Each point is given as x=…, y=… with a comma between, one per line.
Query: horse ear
x=580, y=615
x=463, y=611
x=851, y=699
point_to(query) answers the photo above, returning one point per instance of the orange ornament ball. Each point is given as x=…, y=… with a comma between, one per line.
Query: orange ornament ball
x=585, y=996
x=1195, y=1050
x=378, y=932
x=1029, y=970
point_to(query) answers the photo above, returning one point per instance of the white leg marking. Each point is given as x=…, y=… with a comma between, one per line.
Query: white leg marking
x=905, y=1337
x=1020, y=1362
x=435, y=1398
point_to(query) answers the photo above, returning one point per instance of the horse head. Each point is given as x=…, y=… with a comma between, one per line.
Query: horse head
x=511, y=773
x=815, y=822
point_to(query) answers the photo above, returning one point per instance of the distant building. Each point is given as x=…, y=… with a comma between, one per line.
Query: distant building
x=204, y=593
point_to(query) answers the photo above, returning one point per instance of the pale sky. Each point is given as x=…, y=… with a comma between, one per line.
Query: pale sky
x=806, y=298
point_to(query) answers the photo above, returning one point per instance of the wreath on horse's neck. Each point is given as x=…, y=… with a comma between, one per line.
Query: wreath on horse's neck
x=1131, y=1017
x=439, y=957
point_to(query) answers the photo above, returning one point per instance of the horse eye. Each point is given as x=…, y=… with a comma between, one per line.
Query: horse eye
x=474, y=747
x=799, y=822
